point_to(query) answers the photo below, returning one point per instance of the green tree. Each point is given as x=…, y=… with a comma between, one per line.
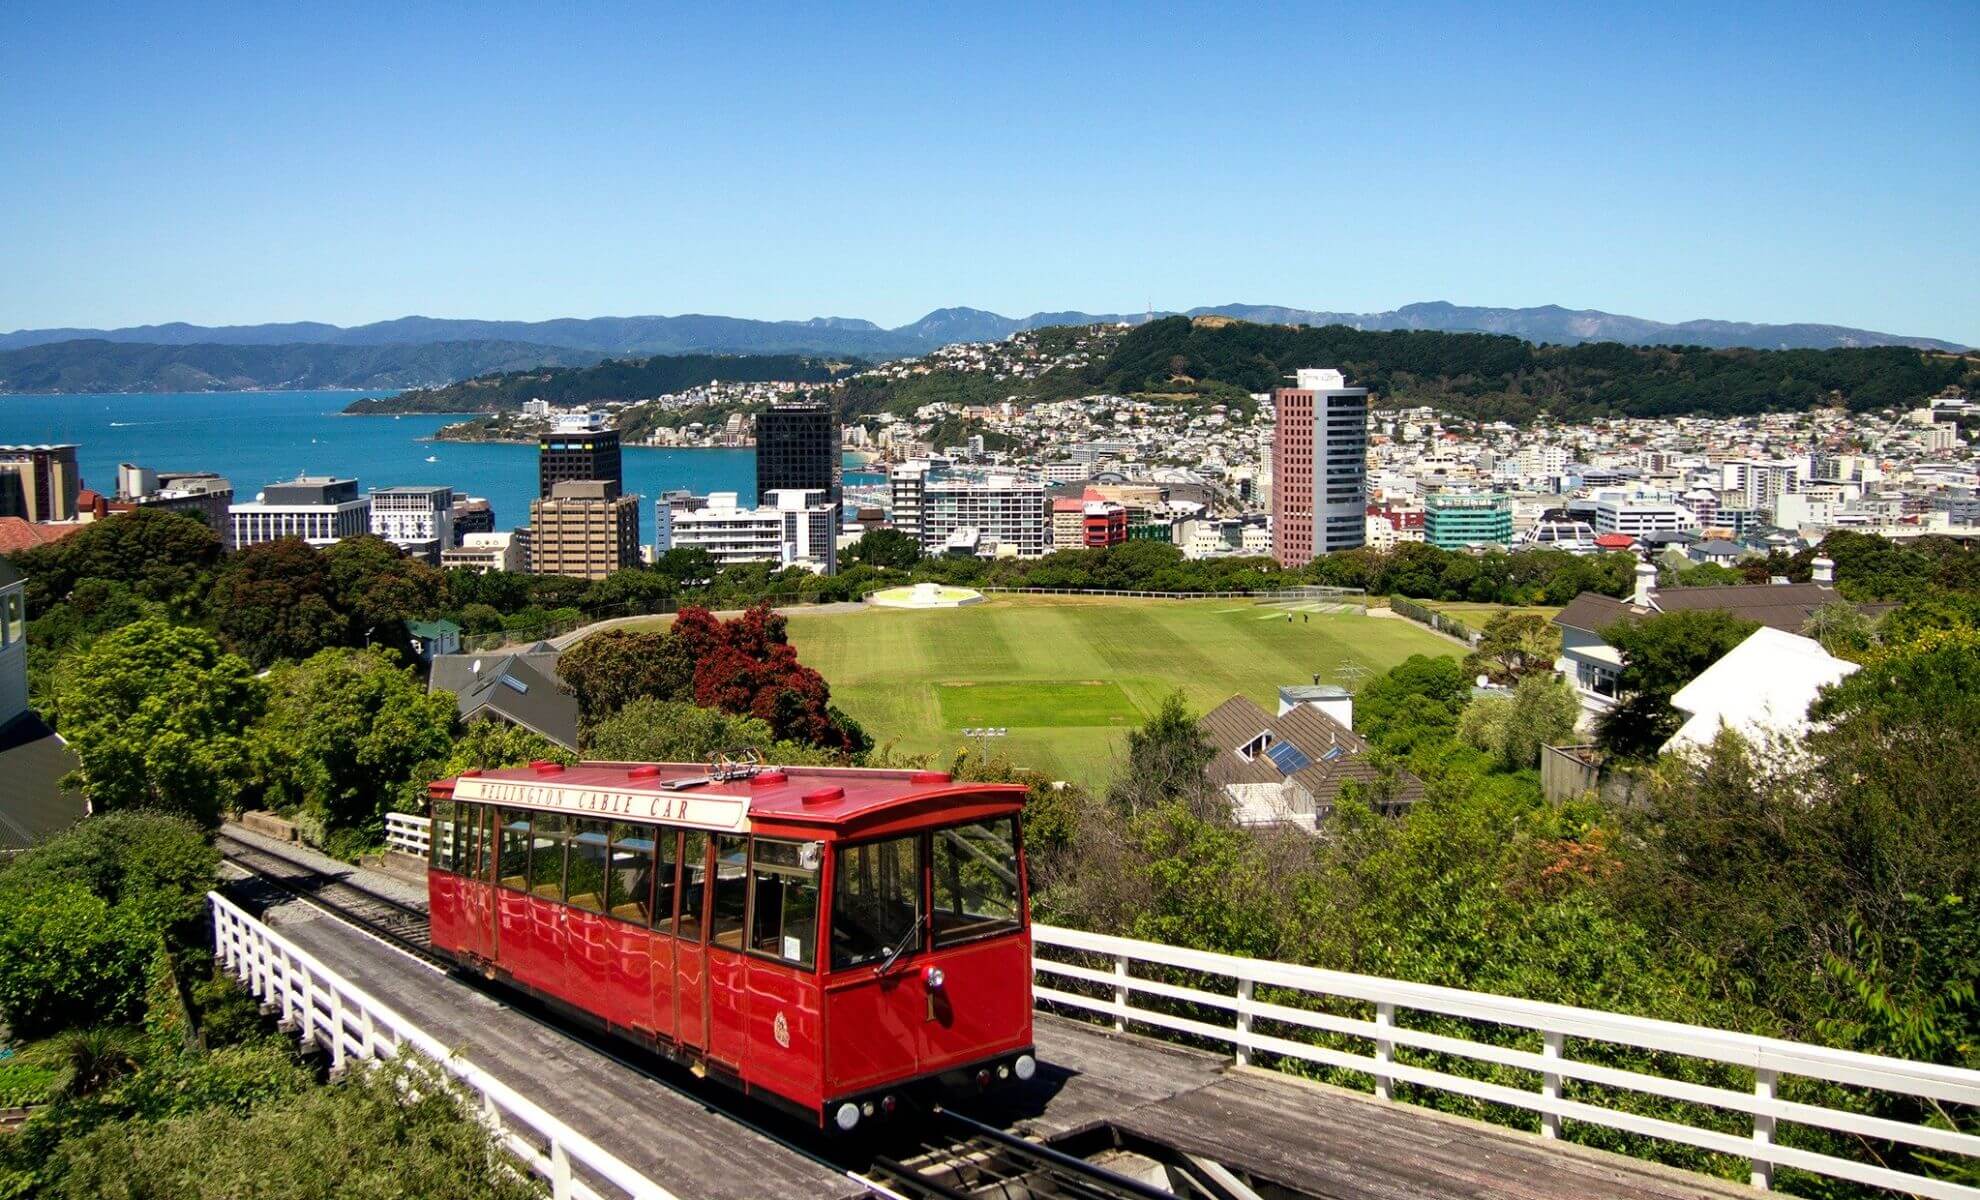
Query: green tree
x=164, y=557
x=481, y=746
x=1164, y=762
x=1661, y=654
x=380, y=587
x=1514, y=645
x=344, y=733
x=629, y=593
x=156, y=715
x=1541, y=712
x=611, y=669
x=651, y=730
x=883, y=548
x=1842, y=629
x=278, y=600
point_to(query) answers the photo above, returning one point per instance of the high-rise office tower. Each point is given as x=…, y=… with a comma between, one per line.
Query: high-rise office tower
x=1319, y=467
x=797, y=446
x=39, y=483
x=578, y=447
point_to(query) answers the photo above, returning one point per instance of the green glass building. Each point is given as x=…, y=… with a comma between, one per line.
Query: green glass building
x=1454, y=520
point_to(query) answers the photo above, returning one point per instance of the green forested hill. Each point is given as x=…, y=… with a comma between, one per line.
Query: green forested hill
x=616, y=379
x=1494, y=376
x=102, y=366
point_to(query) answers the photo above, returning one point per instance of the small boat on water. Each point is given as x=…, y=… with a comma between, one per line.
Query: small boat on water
x=433, y=458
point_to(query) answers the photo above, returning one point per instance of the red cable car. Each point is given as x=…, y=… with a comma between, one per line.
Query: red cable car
x=825, y=938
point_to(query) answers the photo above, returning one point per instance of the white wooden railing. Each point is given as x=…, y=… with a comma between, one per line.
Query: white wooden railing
x=1113, y=991
x=407, y=833
x=353, y=1027
x=1116, y=987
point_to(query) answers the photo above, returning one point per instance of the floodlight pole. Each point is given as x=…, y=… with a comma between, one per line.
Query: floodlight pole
x=983, y=734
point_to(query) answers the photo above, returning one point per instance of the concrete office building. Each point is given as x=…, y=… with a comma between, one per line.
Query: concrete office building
x=792, y=527
x=585, y=529
x=1006, y=514
x=1641, y=512
x=198, y=493
x=39, y=483
x=472, y=514
x=418, y=520
x=1455, y=520
x=1319, y=467
x=797, y=447
x=484, y=552
x=319, y=509
x=578, y=447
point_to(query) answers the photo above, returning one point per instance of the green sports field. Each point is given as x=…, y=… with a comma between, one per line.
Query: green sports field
x=1068, y=676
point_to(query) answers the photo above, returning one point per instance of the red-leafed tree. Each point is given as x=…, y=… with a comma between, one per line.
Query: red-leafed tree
x=747, y=666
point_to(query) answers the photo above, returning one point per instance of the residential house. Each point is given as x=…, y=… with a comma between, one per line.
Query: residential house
x=1289, y=768
x=33, y=758
x=1762, y=689
x=519, y=687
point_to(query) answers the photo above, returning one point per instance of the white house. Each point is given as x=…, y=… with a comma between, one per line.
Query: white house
x=1761, y=689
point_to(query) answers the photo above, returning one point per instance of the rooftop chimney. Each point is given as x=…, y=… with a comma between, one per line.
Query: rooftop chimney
x=1825, y=569
x=1646, y=583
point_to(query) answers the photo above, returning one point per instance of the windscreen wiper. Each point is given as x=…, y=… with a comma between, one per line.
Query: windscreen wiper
x=900, y=947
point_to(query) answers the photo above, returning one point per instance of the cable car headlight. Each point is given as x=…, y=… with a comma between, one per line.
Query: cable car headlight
x=934, y=978
x=1025, y=1066
x=846, y=1117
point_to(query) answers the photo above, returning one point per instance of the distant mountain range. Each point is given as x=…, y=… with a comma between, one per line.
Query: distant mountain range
x=428, y=351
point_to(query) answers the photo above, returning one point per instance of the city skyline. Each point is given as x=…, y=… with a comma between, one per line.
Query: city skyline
x=1762, y=165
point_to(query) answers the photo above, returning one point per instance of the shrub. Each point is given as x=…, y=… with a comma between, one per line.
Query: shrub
x=69, y=958
x=157, y=864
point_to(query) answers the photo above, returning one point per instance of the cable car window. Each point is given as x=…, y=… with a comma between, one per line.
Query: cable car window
x=513, y=859
x=466, y=816
x=584, y=877
x=694, y=876
x=784, y=901
x=667, y=853
x=629, y=882
x=976, y=880
x=548, y=835
x=484, y=843
x=440, y=836
x=876, y=902
x=731, y=891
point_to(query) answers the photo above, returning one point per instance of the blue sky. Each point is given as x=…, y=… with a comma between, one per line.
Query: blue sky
x=225, y=164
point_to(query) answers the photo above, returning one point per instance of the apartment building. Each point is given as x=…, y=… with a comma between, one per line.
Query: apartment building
x=793, y=527
x=1641, y=512
x=1319, y=466
x=1008, y=515
x=585, y=529
x=320, y=509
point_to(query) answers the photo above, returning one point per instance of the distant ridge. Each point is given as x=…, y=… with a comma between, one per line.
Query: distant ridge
x=692, y=333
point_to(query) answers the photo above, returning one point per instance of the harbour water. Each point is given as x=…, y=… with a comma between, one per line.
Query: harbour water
x=258, y=438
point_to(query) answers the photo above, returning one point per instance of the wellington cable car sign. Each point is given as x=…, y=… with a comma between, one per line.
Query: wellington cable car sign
x=726, y=814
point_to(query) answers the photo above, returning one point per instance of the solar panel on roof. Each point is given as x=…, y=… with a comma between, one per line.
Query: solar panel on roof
x=1288, y=758
x=517, y=684
x=1333, y=754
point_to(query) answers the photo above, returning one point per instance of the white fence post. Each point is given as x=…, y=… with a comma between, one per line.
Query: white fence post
x=1245, y=989
x=1120, y=992
x=560, y=1171
x=1385, y=1051
x=1764, y=1080
x=1552, y=1043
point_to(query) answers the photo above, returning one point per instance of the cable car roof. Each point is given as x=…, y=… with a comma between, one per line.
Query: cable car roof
x=695, y=794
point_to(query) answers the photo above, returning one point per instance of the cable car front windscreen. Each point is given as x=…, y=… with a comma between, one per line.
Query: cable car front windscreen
x=976, y=880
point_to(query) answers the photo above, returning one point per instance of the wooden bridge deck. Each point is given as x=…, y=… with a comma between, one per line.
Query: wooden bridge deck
x=1314, y=1139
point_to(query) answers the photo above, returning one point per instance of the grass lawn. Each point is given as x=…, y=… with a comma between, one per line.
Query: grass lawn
x=1475, y=615
x=1068, y=676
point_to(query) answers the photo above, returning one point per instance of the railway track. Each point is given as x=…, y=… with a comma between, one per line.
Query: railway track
x=402, y=925
x=948, y=1156
x=964, y=1159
